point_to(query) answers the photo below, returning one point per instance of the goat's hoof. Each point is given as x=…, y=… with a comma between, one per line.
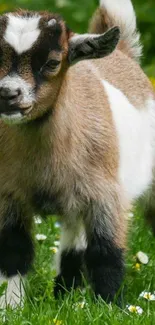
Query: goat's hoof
x=59, y=286
x=64, y=284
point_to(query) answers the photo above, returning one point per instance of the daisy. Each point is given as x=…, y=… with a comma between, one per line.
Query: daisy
x=135, y=309
x=53, y=249
x=56, y=243
x=41, y=237
x=57, y=224
x=147, y=295
x=79, y=305
x=142, y=258
x=37, y=220
x=130, y=215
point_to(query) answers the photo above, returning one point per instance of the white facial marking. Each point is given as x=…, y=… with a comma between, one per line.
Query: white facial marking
x=13, y=82
x=22, y=32
x=52, y=22
x=136, y=134
x=27, y=100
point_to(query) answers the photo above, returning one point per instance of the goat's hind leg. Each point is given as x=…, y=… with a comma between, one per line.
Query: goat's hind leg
x=104, y=254
x=69, y=261
x=16, y=250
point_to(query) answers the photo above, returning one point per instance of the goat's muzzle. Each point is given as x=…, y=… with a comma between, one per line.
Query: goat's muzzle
x=10, y=102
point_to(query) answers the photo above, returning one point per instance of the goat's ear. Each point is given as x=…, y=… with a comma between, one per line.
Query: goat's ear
x=92, y=46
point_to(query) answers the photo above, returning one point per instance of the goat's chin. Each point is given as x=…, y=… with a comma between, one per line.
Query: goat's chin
x=18, y=116
x=15, y=118
x=33, y=113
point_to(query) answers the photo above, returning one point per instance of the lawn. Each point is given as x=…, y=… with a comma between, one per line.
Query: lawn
x=79, y=307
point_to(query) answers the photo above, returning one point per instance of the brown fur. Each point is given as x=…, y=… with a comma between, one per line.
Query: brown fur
x=74, y=153
x=131, y=81
x=68, y=149
x=73, y=147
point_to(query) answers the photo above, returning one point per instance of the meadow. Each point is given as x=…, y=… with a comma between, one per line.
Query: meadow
x=80, y=307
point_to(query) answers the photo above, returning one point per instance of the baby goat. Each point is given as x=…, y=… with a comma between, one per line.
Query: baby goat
x=75, y=140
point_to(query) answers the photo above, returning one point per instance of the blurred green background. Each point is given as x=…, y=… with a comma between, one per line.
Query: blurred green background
x=78, y=12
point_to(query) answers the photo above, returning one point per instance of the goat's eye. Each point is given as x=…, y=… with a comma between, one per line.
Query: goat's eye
x=52, y=64
x=50, y=67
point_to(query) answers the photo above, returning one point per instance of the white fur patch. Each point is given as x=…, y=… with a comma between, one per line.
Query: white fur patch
x=14, y=294
x=136, y=133
x=22, y=32
x=13, y=82
x=71, y=238
x=123, y=9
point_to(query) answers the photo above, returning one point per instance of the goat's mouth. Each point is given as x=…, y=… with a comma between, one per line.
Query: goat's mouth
x=15, y=115
x=14, y=111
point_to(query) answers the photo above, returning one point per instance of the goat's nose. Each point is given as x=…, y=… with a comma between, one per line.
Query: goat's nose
x=9, y=94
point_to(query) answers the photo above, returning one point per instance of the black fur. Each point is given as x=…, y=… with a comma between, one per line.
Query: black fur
x=49, y=41
x=150, y=217
x=16, y=246
x=71, y=268
x=105, y=267
x=45, y=203
x=15, y=59
x=94, y=47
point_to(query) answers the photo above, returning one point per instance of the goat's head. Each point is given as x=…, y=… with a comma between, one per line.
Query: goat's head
x=35, y=51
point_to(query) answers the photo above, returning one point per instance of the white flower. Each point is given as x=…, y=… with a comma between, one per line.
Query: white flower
x=79, y=305
x=139, y=310
x=37, y=220
x=56, y=243
x=147, y=295
x=53, y=249
x=57, y=224
x=41, y=237
x=142, y=257
x=135, y=309
x=130, y=215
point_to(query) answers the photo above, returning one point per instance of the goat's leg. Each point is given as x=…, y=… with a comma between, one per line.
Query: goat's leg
x=70, y=259
x=16, y=250
x=104, y=253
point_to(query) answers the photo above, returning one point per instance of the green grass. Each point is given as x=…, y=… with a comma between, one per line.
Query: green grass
x=41, y=308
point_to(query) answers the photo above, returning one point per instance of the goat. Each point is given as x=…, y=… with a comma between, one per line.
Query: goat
x=75, y=140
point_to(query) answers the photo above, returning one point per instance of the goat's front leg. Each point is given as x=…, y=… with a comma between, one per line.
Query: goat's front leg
x=104, y=253
x=16, y=250
x=69, y=261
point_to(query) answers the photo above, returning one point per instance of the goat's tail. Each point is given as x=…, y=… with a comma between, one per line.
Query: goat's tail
x=118, y=13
